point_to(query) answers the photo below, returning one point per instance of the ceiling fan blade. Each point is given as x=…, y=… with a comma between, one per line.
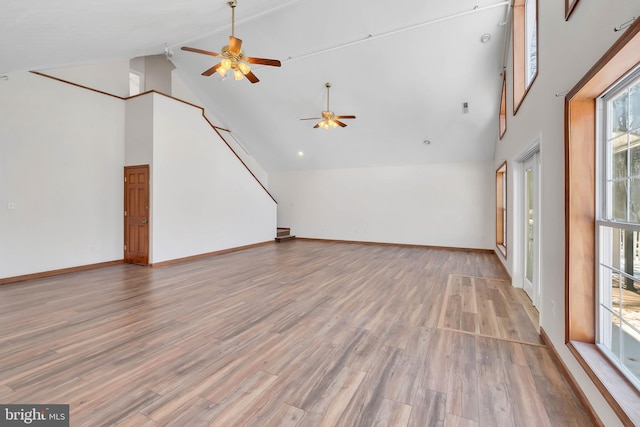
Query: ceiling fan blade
x=344, y=117
x=317, y=126
x=312, y=118
x=235, y=45
x=263, y=61
x=340, y=123
x=211, y=70
x=251, y=77
x=204, y=52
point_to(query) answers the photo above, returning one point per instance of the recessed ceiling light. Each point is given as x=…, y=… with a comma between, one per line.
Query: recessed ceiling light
x=485, y=38
x=426, y=142
x=300, y=153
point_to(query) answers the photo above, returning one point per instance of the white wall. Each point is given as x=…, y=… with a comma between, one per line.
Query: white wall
x=112, y=77
x=139, y=131
x=62, y=153
x=181, y=90
x=439, y=205
x=157, y=74
x=567, y=50
x=61, y=156
x=204, y=199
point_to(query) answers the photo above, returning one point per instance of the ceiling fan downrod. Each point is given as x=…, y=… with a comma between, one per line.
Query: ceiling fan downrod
x=232, y=5
x=328, y=85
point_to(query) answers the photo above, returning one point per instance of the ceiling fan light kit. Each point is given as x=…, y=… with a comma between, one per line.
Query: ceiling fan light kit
x=328, y=119
x=233, y=57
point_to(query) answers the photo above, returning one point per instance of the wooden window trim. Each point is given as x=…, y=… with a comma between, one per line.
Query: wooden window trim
x=520, y=87
x=569, y=5
x=501, y=195
x=503, y=107
x=580, y=202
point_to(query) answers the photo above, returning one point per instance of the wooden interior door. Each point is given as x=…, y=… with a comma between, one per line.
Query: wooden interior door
x=136, y=214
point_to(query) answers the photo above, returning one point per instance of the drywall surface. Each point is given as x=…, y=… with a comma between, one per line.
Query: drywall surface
x=204, y=199
x=438, y=205
x=61, y=194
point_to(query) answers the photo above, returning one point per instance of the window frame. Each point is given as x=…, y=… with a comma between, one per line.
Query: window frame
x=520, y=86
x=581, y=127
x=607, y=222
x=501, y=208
x=569, y=5
x=502, y=115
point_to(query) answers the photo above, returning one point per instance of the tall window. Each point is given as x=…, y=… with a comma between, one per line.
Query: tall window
x=618, y=226
x=525, y=48
x=531, y=40
x=501, y=209
x=503, y=107
x=602, y=176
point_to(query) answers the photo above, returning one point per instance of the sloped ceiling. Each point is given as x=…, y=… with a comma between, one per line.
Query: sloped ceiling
x=404, y=68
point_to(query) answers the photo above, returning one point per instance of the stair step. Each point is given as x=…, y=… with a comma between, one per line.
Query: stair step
x=287, y=237
x=283, y=231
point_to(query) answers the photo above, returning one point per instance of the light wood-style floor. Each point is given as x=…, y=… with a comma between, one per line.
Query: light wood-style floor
x=302, y=333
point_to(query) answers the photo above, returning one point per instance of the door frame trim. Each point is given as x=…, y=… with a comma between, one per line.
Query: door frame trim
x=518, y=216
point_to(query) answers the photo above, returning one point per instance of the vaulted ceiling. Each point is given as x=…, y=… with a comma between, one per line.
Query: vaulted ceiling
x=404, y=68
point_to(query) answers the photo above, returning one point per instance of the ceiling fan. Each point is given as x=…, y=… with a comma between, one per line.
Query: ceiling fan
x=329, y=119
x=233, y=57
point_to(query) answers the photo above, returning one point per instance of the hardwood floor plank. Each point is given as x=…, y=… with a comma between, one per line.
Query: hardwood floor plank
x=306, y=333
x=462, y=392
x=396, y=335
x=341, y=399
x=469, y=304
x=435, y=375
x=495, y=407
x=453, y=312
x=136, y=420
x=241, y=405
x=111, y=411
x=528, y=408
x=429, y=409
x=556, y=395
x=469, y=323
x=393, y=414
x=451, y=420
x=286, y=416
x=511, y=352
x=363, y=407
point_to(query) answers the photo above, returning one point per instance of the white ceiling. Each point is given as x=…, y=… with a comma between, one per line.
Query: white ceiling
x=404, y=68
